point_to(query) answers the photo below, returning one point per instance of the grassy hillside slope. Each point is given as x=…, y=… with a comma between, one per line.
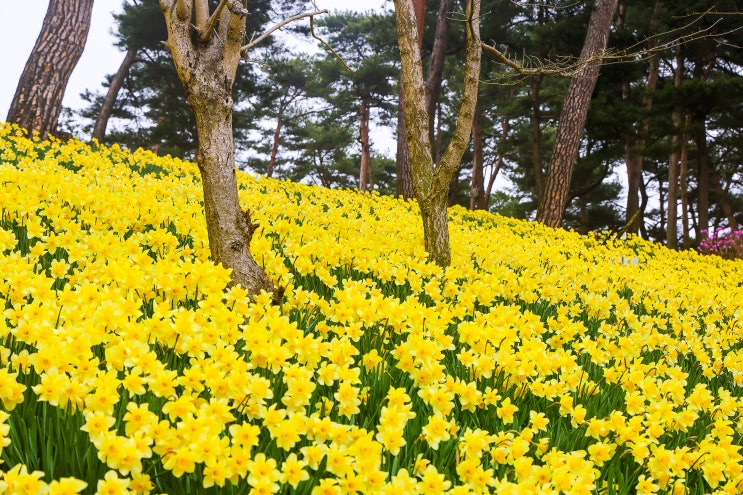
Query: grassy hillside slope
x=541, y=362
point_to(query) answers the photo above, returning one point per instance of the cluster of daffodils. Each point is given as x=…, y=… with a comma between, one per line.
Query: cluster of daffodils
x=540, y=362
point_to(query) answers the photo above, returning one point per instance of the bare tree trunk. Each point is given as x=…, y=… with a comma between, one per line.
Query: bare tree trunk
x=207, y=64
x=673, y=164
x=436, y=65
x=703, y=173
x=365, y=145
x=99, y=129
x=660, y=236
x=37, y=102
x=673, y=180
x=276, y=143
x=432, y=182
x=636, y=151
x=477, y=189
x=495, y=166
x=405, y=188
x=573, y=117
x=683, y=180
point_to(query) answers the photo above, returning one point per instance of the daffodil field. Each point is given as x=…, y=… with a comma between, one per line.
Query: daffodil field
x=540, y=362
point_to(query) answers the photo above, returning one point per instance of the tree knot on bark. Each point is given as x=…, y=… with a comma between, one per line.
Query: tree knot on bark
x=250, y=226
x=237, y=9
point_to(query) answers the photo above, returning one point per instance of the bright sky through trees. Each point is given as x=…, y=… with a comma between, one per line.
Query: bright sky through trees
x=20, y=23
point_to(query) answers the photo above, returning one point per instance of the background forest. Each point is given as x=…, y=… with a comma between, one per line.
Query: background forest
x=661, y=153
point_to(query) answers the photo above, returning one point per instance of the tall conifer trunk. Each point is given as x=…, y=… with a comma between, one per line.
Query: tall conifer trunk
x=573, y=117
x=117, y=82
x=38, y=98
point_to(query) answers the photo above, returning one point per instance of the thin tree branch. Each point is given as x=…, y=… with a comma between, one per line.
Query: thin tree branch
x=312, y=31
x=569, y=66
x=244, y=49
x=211, y=24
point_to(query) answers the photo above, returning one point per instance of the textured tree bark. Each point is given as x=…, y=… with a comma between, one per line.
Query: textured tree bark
x=365, y=169
x=405, y=187
x=431, y=183
x=207, y=69
x=38, y=98
x=101, y=122
x=573, y=117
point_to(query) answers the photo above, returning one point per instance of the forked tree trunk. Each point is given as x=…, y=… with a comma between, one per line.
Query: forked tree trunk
x=117, y=82
x=38, y=98
x=431, y=182
x=573, y=116
x=206, y=64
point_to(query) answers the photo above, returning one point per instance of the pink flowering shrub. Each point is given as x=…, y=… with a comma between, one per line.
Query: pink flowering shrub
x=723, y=242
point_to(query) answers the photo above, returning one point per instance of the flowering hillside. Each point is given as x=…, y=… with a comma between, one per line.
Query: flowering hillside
x=541, y=362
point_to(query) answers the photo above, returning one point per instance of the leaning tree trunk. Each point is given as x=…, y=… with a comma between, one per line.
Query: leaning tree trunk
x=431, y=182
x=573, y=116
x=206, y=60
x=38, y=98
x=99, y=130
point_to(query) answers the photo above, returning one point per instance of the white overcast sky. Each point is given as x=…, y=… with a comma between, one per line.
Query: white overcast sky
x=20, y=23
